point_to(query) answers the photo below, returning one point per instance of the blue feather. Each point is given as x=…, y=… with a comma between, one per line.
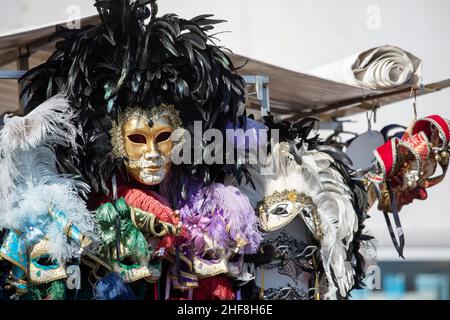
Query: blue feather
x=112, y=287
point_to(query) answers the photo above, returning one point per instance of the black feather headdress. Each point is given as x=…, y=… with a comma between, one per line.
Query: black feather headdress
x=134, y=58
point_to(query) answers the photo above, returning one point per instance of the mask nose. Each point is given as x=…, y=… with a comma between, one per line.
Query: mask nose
x=152, y=156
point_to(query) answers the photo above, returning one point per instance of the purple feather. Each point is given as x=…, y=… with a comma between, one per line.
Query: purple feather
x=215, y=207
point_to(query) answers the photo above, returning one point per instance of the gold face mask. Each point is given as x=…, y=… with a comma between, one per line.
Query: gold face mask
x=42, y=268
x=144, y=138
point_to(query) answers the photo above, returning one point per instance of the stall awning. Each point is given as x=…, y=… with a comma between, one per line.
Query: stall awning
x=293, y=95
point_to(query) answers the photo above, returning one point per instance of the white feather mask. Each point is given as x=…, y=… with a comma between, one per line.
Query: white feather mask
x=315, y=191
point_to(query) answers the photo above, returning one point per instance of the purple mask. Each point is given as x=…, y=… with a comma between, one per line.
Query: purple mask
x=223, y=227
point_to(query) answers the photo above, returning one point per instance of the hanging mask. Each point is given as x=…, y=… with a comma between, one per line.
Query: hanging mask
x=130, y=266
x=143, y=137
x=125, y=248
x=407, y=165
x=36, y=268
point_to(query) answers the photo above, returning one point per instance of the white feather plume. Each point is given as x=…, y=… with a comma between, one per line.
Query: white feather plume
x=368, y=250
x=50, y=122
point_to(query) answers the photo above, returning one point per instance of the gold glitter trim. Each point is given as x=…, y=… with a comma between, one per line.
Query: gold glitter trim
x=292, y=196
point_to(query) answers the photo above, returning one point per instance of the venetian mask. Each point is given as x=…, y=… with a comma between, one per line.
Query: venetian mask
x=143, y=137
x=29, y=251
x=219, y=239
x=308, y=184
x=131, y=249
x=215, y=260
x=132, y=267
x=129, y=266
x=35, y=268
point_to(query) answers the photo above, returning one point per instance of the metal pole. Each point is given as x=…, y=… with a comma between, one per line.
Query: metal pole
x=11, y=74
x=262, y=91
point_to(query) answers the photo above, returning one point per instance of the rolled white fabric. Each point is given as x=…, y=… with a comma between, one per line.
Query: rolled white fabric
x=379, y=68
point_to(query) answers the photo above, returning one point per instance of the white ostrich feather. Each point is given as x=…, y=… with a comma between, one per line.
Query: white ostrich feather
x=368, y=250
x=50, y=122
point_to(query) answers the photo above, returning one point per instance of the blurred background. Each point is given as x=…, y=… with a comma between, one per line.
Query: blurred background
x=304, y=34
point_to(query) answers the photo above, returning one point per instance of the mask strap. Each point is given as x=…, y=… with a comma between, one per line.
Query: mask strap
x=178, y=263
x=316, y=278
x=238, y=295
x=398, y=246
x=155, y=291
x=261, y=291
x=399, y=230
x=114, y=186
x=117, y=218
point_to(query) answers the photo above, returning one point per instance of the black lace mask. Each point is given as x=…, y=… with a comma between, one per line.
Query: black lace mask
x=290, y=256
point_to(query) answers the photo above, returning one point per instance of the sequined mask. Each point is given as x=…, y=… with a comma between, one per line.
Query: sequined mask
x=215, y=260
x=132, y=267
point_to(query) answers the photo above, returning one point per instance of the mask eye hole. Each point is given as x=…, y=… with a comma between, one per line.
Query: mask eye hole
x=128, y=261
x=137, y=138
x=280, y=210
x=234, y=258
x=210, y=255
x=163, y=137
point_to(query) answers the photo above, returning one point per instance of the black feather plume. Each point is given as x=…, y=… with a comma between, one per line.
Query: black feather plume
x=124, y=62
